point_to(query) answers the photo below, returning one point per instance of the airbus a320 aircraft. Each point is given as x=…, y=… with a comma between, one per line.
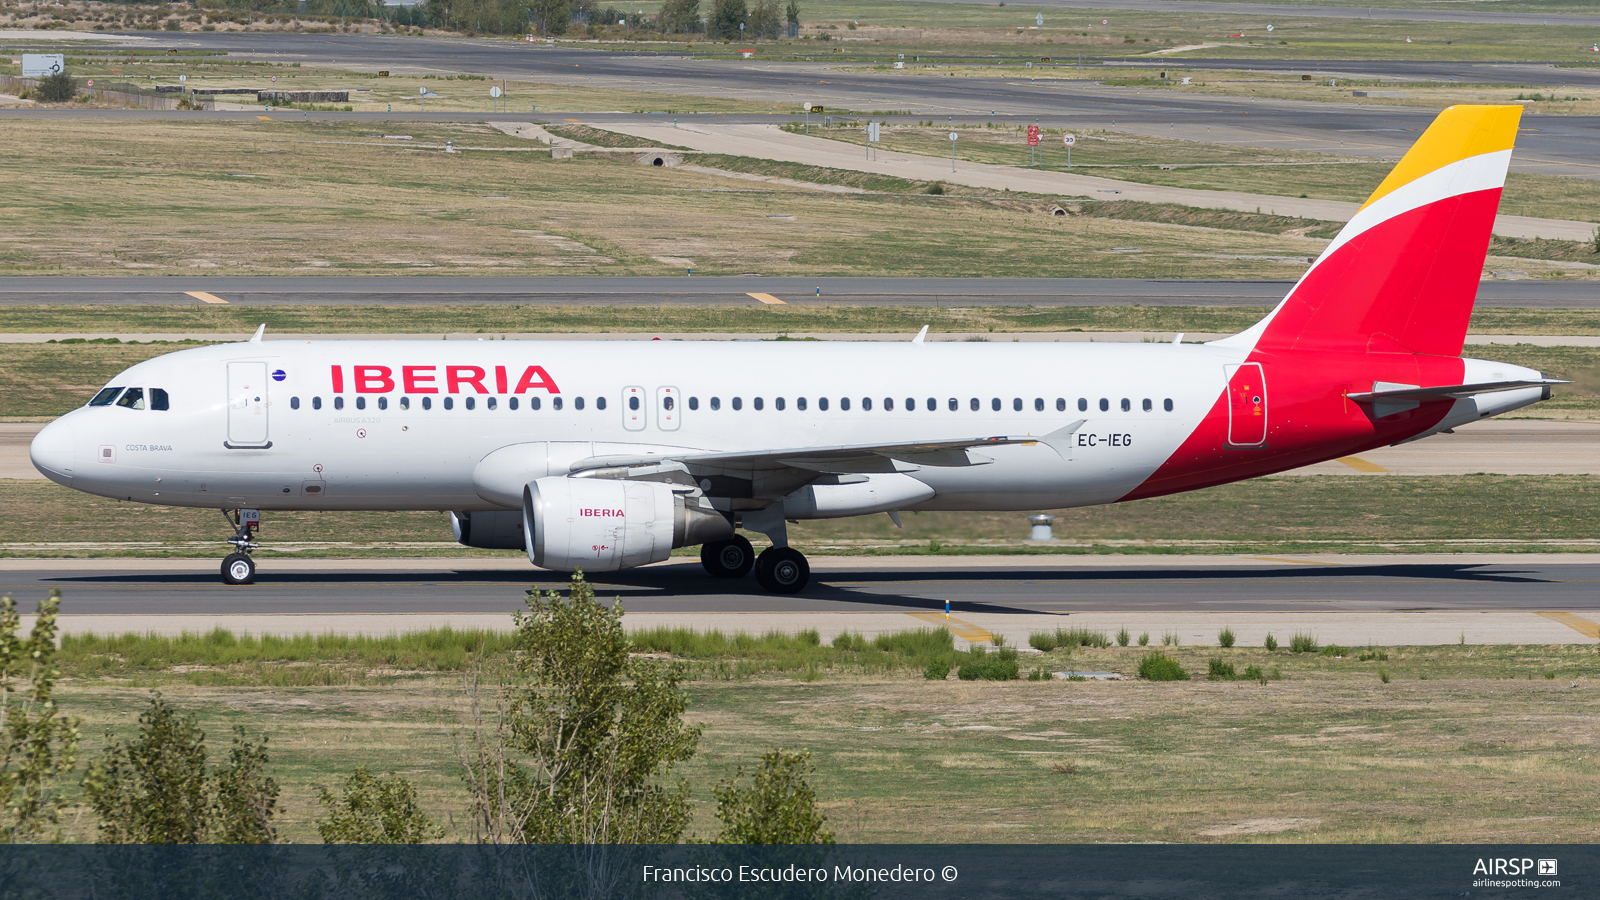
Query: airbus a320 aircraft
x=607, y=456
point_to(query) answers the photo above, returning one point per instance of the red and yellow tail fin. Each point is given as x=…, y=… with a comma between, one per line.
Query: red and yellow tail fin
x=1403, y=273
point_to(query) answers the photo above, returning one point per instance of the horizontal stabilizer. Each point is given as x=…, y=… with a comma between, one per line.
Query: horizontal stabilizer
x=1383, y=390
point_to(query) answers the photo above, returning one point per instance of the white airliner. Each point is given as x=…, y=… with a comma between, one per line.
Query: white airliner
x=603, y=456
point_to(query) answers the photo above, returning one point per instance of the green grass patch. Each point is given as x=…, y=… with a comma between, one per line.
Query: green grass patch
x=435, y=649
x=1161, y=667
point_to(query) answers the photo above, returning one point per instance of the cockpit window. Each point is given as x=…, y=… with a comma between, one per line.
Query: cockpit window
x=132, y=399
x=105, y=396
x=158, y=399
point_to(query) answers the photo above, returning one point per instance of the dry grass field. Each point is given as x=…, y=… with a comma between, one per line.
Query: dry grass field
x=1460, y=744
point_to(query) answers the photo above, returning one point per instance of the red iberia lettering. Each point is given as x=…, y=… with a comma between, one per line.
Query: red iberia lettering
x=500, y=379
x=338, y=379
x=536, y=377
x=416, y=377
x=602, y=513
x=456, y=376
x=374, y=379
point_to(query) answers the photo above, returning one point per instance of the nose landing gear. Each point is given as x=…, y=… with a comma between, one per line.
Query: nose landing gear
x=238, y=567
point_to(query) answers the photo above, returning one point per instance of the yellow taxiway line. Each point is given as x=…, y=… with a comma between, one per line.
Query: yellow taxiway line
x=1361, y=465
x=1577, y=623
x=767, y=299
x=205, y=297
x=964, y=630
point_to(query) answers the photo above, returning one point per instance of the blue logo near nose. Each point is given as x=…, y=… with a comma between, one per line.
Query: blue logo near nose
x=279, y=375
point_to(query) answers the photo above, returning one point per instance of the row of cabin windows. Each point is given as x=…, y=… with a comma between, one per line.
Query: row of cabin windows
x=737, y=403
x=132, y=398
x=450, y=403
x=932, y=404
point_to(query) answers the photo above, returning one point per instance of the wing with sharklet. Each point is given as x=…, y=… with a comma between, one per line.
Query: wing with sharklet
x=844, y=458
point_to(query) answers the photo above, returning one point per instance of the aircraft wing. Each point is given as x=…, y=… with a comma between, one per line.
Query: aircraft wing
x=1383, y=390
x=844, y=458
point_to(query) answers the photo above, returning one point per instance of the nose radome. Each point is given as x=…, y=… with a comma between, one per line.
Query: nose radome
x=52, y=452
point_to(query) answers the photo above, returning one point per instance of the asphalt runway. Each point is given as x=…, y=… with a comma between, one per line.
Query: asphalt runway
x=908, y=585
x=1265, y=12
x=698, y=290
x=1059, y=96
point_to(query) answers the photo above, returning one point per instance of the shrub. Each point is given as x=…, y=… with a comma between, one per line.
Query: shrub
x=1374, y=654
x=57, y=88
x=779, y=807
x=1043, y=641
x=1335, y=650
x=937, y=670
x=998, y=640
x=1383, y=675
x=1271, y=643
x=1170, y=639
x=983, y=666
x=1158, y=666
x=1254, y=673
x=1225, y=637
x=936, y=189
x=1040, y=674
x=1302, y=643
x=1144, y=639
x=849, y=641
x=375, y=811
x=1220, y=670
x=1122, y=637
x=37, y=745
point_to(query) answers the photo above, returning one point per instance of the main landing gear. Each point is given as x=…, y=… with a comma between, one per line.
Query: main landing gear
x=238, y=567
x=781, y=570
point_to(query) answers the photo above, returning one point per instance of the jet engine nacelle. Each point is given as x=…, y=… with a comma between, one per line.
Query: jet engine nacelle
x=488, y=530
x=602, y=524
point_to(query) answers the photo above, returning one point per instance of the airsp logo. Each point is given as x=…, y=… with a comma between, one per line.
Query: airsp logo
x=1547, y=867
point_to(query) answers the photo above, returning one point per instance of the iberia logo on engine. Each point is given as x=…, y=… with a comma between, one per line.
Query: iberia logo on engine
x=607, y=513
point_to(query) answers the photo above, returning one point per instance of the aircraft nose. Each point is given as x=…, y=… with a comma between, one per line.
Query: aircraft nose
x=52, y=452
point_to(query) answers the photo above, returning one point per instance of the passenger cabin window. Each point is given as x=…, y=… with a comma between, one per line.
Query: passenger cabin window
x=694, y=402
x=1061, y=404
x=577, y=403
x=1038, y=404
x=844, y=403
x=1126, y=404
x=511, y=403
x=822, y=403
x=294, y=402
x=405, y=402
x=932, y=404
x=338, y=403
x=361, y=403
x=449, y=403
x=533, y=403
x=471, y=403
x=911, y=404
x=427, y=403
x=778, y=404
x=976, y=404
x=600, y=403
x=1148, y=405
x=1167, y=404
x=738, y=403
x=132, y=398
x=1016, y=403
x=995, y=404
x=383, y=402
x=316, y=403
x=954, y=404
x=490, y=403
x=800, y=403
x=758, y=403
x=888, y=404
x=1104, y=404
x=866, y=404
x=158, y=399
x=633, y=403
x=105, y=396
x=716, y=403
x=1083, y=404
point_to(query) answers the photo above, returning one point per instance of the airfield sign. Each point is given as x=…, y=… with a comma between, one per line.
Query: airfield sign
x=43, y=65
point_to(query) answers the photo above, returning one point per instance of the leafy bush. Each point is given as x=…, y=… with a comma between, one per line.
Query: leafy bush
x=1043, y=641
x=1271, y=643
x=1220, y=670
x=937, y=670
x=778, y=807
x=1302, y=643
x=1040, y=674
x=1170, y=639
x=1122, y=637
x=1335, y=650
x=848, y=641
x=156, y=789
x=1254, y=673
x=1144, y=639
x=1225, y=637
x=937, y=188
x=57, y=88
x=1158, y=666
x=375, y=811
x=1383, y=675
x=37, y=744
x=984, y=666
x=1374, y=654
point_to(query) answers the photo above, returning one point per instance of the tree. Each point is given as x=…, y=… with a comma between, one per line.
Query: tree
x=57, y=88
x=765, y=20
x=550, y=16
x=375, y=811
x=156, y=790
x=726, y=16
x=37, y=744
x=779, y=807
x=599, y=731
x=680, y=16
x=792, y=14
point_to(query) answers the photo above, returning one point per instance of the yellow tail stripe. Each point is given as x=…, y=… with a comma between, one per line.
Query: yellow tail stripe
x=1460, y=132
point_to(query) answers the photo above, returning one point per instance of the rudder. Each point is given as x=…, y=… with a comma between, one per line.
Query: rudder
x=1403, y=273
